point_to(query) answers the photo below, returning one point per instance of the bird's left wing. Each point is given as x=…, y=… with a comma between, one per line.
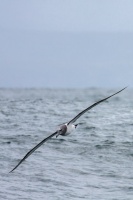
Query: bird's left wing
x=32, y=150
x=93, y=105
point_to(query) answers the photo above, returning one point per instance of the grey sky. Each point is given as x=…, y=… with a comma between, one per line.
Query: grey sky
x=76, y=43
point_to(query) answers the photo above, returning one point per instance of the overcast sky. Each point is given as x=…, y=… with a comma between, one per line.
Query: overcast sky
x=69, y=43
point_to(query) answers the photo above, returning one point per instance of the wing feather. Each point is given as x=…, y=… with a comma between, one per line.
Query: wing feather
x=93, y=105
x=33, y=149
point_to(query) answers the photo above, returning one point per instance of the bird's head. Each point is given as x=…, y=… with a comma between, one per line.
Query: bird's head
x=76, y=125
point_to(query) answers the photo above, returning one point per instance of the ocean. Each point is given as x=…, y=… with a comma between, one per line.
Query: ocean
x=94, y=162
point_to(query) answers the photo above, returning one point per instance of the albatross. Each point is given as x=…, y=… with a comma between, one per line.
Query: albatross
x=65, y=129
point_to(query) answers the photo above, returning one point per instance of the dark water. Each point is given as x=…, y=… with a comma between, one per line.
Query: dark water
x=94, y=162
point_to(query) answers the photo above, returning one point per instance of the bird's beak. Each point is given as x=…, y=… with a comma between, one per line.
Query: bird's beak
x=76, y=125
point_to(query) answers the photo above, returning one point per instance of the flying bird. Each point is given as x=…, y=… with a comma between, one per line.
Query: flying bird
x=65, y=129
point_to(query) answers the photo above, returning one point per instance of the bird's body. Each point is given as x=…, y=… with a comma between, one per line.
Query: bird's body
x=64, y=129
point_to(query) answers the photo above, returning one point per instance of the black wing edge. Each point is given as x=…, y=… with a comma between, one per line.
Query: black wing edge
x=93, y=105
x=33, y=149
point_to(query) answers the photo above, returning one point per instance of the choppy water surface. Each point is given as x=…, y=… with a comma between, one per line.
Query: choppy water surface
x=95, y=162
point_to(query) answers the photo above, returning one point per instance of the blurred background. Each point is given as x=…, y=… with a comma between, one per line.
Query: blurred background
x=66, y=55
x=66, y=44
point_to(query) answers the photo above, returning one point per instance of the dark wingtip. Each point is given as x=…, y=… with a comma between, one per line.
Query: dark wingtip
x=12, y=170
x=16, y=166
x=125, y=87
x=121, y=90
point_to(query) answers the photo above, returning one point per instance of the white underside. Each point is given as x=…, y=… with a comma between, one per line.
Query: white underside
x=70, y=128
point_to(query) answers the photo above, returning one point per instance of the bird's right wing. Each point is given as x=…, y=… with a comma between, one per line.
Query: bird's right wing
x=32, y=150
x=93, y=105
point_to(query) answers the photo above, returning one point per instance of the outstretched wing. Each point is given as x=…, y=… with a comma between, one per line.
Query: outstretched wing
x=93, y=105
x=32, y=150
